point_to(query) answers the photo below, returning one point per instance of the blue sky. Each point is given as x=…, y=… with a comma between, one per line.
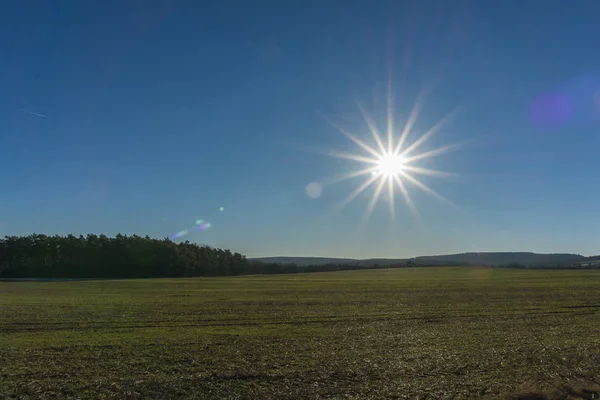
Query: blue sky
x=151, y=116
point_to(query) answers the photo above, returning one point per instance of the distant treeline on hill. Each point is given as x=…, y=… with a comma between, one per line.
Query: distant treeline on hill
x=491, y=259
x=99, y=256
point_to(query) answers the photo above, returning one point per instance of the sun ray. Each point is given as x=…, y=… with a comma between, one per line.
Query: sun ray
x=435, y=152
x=372, y=202
x=390, y=185
x=424, y=137
x=372, y=127
x=356, y=140
x=428, y=190
x=390, y=114
x=414, y=113
x=356, y=192
x=364, y=171
x=430, y=172
x=350, y=156
x=407, y=198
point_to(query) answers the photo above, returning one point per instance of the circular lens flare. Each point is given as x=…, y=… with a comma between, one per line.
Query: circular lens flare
x=313, y=190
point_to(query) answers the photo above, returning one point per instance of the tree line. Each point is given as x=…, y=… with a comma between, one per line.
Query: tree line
x=99, y=256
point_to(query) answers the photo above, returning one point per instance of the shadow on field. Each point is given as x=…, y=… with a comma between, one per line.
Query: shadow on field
x=566, y=393
x=531, y=396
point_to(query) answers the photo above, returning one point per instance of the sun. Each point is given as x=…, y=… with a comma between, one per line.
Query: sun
x=391, y=161
x=390, y=165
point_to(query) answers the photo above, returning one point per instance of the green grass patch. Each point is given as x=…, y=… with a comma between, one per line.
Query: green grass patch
x=403, y=333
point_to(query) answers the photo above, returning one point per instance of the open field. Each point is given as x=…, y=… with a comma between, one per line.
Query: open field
x=404, y=333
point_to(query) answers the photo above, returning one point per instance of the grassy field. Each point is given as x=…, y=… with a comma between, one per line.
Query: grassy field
x=407, y=333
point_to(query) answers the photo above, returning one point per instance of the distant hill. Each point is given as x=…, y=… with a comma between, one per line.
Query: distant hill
x=498, y=259
x=484, y=258
x=589, y=261
x=304, y=261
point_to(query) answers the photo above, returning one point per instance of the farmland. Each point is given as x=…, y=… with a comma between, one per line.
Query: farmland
x=446, y=332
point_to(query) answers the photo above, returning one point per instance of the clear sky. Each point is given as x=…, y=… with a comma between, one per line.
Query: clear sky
x=142, y=117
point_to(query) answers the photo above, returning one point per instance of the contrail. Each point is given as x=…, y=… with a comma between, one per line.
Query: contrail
x=33, y=113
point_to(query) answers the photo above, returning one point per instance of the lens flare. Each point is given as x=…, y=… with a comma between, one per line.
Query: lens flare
x=574, y=102
x=391, y=163
x=179, y=234
x=313, y=190
x=201, y=226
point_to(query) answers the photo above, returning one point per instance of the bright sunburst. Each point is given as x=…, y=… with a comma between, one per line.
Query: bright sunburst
x=392, y=166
